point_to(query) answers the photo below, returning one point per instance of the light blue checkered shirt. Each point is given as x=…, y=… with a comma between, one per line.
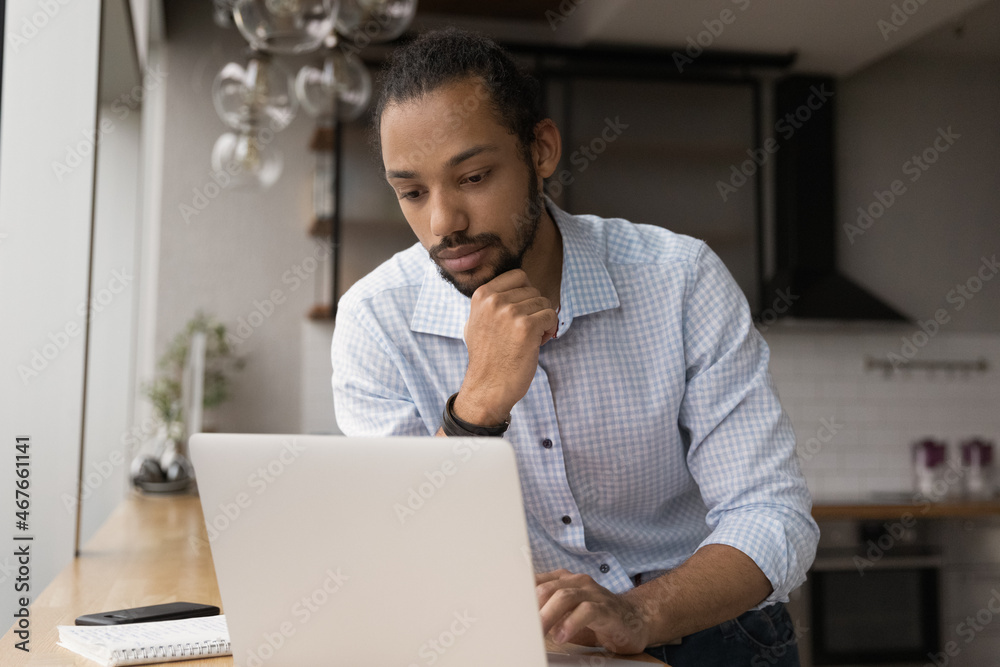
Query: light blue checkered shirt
x=664, y=432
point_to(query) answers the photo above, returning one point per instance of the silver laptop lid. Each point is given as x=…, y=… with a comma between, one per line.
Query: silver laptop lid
x=369, y=551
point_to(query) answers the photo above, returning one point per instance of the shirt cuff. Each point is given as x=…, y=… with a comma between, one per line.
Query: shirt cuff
x=774, y=542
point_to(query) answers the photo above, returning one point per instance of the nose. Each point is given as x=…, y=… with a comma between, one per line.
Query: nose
x=448, y=214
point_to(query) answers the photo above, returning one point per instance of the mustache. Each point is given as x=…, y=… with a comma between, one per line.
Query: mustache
x=461, y=238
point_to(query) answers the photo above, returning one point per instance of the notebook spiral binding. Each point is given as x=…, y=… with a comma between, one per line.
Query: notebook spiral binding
x=213, y=647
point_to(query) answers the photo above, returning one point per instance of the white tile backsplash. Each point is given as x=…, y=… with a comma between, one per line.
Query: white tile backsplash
x=821, y=372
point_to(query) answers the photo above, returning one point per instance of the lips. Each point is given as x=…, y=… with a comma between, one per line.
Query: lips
x=462, y=258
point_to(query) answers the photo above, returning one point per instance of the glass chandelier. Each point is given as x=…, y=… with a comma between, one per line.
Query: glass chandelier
x=259, y=98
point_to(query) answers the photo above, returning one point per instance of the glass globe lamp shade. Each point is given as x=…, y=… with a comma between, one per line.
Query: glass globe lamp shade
x=259, y=95
x=364, y=21
x=249, y=161
x=340, y=84
x=222, y=13
x=285, y=26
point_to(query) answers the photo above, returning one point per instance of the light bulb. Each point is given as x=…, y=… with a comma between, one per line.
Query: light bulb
x=341, y=82
x=364, y=21
x=249, y=161
x=256, y=96
x=222, y=13
x=285, y=26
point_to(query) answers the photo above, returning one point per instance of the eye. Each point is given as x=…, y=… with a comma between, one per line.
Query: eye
x=477, y=178
x=409, y=194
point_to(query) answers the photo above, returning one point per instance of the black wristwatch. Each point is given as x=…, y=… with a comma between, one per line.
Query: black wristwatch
x=453, y=426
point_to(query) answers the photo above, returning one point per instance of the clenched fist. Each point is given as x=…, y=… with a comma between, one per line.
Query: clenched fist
x=509, y=322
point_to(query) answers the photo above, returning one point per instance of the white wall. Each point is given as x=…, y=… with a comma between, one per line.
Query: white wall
x=45, y=228
x=243, y=245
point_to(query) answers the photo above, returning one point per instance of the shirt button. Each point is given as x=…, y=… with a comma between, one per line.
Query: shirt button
x=566, y=519
x=605, y=568
x=546, y=443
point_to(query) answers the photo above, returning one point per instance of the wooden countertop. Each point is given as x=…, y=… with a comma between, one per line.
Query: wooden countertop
x=151, y=550
x=957, y=509
x=147, y=552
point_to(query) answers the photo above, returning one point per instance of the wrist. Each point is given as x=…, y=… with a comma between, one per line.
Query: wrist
x=453, y=425
x=475, y=410
x=651, y=612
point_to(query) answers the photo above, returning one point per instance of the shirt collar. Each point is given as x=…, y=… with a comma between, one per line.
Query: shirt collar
x=586, y=286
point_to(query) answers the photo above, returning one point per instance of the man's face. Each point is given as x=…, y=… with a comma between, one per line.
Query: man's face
x=462, y=183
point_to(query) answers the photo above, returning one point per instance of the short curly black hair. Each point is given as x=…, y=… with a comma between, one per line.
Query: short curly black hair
x=440, y=57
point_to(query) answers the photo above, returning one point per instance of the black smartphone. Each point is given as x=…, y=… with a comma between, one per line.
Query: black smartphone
x=157, y=612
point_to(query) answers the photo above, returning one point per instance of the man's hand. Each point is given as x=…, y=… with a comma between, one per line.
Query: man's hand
x=509, y=322
x=575, y=608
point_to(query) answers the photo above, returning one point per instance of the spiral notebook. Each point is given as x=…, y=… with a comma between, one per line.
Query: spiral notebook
x=144, y=643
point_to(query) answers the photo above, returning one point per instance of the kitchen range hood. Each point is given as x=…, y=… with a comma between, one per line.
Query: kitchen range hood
x=806, y=209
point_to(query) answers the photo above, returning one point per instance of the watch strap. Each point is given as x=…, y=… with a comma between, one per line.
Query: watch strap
x=453, y=426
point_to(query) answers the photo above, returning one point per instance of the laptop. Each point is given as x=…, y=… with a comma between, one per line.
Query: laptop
x=334, y=550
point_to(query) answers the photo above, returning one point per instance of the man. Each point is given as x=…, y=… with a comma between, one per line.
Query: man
x=662, y=494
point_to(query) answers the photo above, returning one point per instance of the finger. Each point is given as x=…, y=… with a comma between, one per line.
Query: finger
x=506, y=281
x=546, y=322
x=519, y=295
x=485, y=300
x=584, y=615
x=560, y=604
x=542, y=577
x=530, y=306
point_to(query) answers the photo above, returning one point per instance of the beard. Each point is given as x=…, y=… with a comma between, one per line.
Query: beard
x=507, y=259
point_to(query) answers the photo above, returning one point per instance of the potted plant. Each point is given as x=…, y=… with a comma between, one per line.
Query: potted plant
x=166, y=467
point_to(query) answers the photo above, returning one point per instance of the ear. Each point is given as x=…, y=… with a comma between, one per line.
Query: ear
x=546, y=149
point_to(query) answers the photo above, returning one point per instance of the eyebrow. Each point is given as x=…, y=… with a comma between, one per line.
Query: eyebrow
x=454, y=161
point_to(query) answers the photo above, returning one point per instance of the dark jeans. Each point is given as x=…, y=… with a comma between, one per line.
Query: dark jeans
x=764, y=638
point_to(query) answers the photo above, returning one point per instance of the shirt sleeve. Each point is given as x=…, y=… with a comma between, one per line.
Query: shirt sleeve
x=369, y=395
x=741, y=446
